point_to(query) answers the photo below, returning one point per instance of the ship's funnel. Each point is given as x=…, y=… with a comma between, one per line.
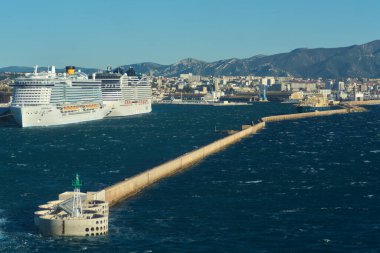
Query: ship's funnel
x=70, y=70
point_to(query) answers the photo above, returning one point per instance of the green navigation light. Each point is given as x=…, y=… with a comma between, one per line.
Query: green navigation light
x=76, y=182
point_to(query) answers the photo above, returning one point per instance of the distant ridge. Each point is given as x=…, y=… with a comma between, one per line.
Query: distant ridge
x=352, y=61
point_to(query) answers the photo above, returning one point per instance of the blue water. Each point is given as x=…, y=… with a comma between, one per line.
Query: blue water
x=309, y=185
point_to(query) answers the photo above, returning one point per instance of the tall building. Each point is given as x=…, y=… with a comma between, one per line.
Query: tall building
x=216, y=84
x=339, y=86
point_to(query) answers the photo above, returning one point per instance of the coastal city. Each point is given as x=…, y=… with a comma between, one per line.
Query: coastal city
x=191, y=85
x=123, y=92
x=194, y=88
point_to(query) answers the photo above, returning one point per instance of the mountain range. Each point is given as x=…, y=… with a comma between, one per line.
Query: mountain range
x=352, y=61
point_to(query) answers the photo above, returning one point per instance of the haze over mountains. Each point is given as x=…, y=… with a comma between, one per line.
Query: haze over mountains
x=352, y=61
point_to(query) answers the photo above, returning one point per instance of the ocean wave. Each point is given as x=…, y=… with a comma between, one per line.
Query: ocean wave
x=307, y=152
x=295, y=210
x=361, y=183
x=110, y=172
x=3, y=221
x=253, y=182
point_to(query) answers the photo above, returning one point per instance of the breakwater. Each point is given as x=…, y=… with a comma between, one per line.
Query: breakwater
x=303, y=115
x=366, y=102
x=130, y=186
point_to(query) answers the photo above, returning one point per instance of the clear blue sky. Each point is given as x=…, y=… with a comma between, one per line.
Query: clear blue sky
x=97, y=33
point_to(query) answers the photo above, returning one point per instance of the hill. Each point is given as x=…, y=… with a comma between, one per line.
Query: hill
x=352, y=61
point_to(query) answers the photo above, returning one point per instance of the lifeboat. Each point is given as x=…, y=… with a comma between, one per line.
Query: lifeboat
x=92, y=106
x=71, y=108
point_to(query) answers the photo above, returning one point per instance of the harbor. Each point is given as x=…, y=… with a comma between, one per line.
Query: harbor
x=271, y=176
x=190, y=126
x=118, y=192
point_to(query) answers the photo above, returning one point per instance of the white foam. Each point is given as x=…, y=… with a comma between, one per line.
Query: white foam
x=306, y=152
x=254, y=182
x=291, y=210
x=110, y=171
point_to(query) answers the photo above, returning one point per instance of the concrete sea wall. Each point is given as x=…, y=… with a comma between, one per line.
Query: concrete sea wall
x=129, y=186
x=367, y=102
x=303, y=115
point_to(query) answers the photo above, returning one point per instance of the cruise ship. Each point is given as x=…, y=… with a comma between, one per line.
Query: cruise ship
x=50, y=98
x=125, y=94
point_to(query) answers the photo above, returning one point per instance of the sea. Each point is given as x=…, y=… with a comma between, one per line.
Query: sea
x=307, y=185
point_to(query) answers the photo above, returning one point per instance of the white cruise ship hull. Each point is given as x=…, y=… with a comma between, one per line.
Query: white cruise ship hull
x=48, y=115
x=126, y=108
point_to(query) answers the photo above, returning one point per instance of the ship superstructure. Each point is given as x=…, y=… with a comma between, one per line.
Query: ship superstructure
x=125, y=94
x=50, y=98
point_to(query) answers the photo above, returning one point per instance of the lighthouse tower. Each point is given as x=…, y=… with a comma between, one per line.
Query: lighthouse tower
x=77, y=202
